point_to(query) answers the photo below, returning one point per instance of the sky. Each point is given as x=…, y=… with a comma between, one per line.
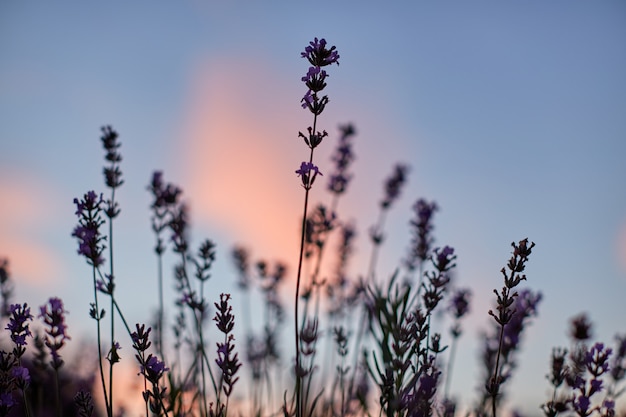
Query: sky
x=509, y=114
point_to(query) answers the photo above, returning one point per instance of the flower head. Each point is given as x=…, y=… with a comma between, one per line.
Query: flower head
x=394, y=184
x=443, y=258
x=19, y=327
x=308, y=172
x=597, y=359
x=112, y=173
x=88, y=229
x=459, y=303
x=153, y=369
x=318, y=55
x=53, y=315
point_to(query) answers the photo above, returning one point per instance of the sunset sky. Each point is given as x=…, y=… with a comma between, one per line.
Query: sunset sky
x=511, y=116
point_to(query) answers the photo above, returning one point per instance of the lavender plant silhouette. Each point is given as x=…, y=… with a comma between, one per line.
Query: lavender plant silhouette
x=383, y=354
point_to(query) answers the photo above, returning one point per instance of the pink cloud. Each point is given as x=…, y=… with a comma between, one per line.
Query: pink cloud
x=241, y=150
x=31, y=261
x=242, y=155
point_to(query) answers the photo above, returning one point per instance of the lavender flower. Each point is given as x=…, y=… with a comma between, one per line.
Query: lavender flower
x=111, y=145
x=165, y=195
x=459, y=307
x=596, y=359
x=87, y=232
x=19, y=327
x=240, y=257
x=153, y=369
x=84, y=403
x=313, y=139
x=53, y=315
x=228, y=364
x=112, y=173
x=342, y=158
x=421, y=229
x=21, y=377
x=394, y=184
x=141, y=338
x=318, y=55
x=581, y=328
x=318, y=225
x=308, y=172
x=315, y=79
x=179, y=228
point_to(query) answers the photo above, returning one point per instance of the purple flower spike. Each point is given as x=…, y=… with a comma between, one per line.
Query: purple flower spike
x=19, y=327
x=318, y=55
x=459, y=303
x=53, y=315
x=87, y=232
x=394, y=184
x=596, y=359
x=443, y=258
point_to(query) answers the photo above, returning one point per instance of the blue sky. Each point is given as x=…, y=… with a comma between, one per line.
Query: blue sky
x=511, y=116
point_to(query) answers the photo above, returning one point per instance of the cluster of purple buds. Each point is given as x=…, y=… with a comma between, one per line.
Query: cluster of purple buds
x=165, y=195
x=308, y=337
x=53, y=315
x=342, y=158
x=19, y=327
x=597, y=364
x=153, y=371
x=13, y=377
x=179, y=228
x=240, y=257
x=106, y=285
x=112, y=173
x=88, y=230
x=443, y=260
x=516, y=265
x=109, y=142
x=227, y=362
x=141, y=338
x=165, y=200
x=204, y=260
x=394, y=184
x=422, y=227
x=308, y=172
x=581, y=328
x=318, y=224
x=318, y=56
x=459, y=307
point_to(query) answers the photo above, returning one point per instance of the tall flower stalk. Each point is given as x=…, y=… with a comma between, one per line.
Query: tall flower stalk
x=91, y=246
x=319, y=56
x=506, y=308
x=113, y=180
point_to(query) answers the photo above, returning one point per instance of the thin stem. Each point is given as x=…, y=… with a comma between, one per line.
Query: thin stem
x=58, y=391
x=495, y=372
x=161, y=305
x=301, y=256
x=97, y=318
x=111, y=278
x=297, y=339
x=446, y=392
